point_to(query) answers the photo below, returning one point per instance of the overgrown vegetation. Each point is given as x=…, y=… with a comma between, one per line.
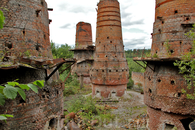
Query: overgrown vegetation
x=62, y=51
x=187, y=66
x=133, y=66
x=88, y=110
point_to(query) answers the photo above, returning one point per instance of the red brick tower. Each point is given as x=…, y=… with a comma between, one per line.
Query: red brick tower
x=83, y=51
x=167, y=106
x=83, y=35
x=26, y=55
x=110, y=71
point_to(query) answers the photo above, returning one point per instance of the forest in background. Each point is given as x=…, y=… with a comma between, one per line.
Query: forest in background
x=62, y=51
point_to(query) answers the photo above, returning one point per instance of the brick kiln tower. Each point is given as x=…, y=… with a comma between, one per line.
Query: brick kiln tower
x=167, y=106
x=83, y=51
x=110, y=72
x=26, y=55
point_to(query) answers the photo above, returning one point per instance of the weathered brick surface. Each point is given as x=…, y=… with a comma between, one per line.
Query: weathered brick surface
x=26, y=27
x=109, y=71
x=162, y=81
x=173, y=18
x=26, y=32
x=138, y=77
x=163, y=89
x=166, y=121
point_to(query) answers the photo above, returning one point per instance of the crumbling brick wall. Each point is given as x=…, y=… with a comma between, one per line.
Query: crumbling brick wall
x=26, y=35
x=138, y=78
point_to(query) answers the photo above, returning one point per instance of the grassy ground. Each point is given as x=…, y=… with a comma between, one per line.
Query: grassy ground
x=128, y=113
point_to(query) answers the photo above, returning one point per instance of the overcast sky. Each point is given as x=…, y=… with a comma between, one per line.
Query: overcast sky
x=137, y=18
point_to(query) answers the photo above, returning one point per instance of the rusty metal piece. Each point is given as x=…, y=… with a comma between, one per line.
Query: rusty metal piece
x=109, y=73
x=50, y=9
x=66, y=68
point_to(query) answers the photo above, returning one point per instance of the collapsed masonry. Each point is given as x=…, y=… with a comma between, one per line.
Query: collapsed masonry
x=109, y=73
x=26, y=55
x=167, y=106
x=83, y=52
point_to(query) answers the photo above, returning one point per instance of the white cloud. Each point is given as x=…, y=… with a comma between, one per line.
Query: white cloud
x=137, y=20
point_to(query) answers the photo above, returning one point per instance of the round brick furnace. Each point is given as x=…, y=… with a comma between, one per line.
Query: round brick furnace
x=26, y=35
x=168, y=107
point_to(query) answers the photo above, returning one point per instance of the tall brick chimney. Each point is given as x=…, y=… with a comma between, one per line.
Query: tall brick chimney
x=83, y=51
x=110, y=71
x=168, y=107
x=25, y=39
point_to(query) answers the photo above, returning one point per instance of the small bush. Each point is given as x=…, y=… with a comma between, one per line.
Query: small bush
x=69, y=91
x=130, y=84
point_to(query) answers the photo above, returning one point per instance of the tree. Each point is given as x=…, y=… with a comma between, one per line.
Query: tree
x=187, y=65
x=62, y=51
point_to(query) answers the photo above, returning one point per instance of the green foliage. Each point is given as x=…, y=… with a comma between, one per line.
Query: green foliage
x=167, y=46
x=137, y=53
x=88, y=109
x=10, y=92
x=21, y=93
x=61, y=51
x=155, y=56
x=130, y=84
x=70, y=90
x=4, y=116
x=2, y=19
x=187, y=66
x=2, y=99
x=11, y=89
x=27, y=53
x=33, y=87
x=133, y=67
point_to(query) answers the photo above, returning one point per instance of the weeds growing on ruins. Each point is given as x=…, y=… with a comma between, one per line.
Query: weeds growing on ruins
x=187, y=65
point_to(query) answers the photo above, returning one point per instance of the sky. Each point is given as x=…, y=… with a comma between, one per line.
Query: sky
x=137, y=17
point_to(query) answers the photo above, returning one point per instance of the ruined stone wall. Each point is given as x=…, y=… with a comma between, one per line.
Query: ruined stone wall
x=26, y=34
x=110, y=71
x=138, y=78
